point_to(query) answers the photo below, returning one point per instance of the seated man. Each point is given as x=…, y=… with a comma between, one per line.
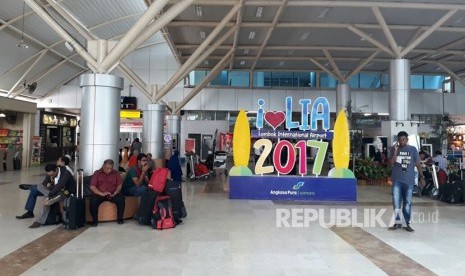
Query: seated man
x=137, y=178
x=34, y=191
x=106, y=186
x=64, y=186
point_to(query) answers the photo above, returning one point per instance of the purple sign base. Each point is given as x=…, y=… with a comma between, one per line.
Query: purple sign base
x=308, y=188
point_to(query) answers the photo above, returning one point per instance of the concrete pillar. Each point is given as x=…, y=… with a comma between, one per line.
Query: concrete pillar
x=173, y=127
x=100, y=120
x=152, y=133
x=28, y=131
x=342, y=96
x=400, y=90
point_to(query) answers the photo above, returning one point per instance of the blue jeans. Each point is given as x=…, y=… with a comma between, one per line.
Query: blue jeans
x=32, y=198
x=402, y=193
x=135, y=191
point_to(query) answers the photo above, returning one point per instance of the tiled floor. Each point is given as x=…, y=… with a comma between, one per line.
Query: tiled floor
x=236, y=237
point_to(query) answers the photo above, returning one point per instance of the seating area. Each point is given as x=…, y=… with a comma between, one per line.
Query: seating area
x=107, y=210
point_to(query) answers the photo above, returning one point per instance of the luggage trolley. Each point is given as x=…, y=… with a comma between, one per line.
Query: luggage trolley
x=219, y=164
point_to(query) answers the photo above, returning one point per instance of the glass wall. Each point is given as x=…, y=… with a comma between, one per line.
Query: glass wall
x=277, y=79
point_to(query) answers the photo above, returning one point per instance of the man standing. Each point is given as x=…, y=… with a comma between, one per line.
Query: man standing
x=106, y=185
x=403, y=159
x=64, y=186
x=137, y=178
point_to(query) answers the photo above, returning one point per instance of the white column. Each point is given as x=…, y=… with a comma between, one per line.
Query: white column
x=400, y=90
x=28, y=131
x=342, y=96
x=152, y=133
x=100, y=120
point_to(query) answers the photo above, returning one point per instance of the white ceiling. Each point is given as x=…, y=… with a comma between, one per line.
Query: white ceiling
x=331, y=36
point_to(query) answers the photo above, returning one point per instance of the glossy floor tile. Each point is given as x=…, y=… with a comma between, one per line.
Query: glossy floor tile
x=236, y=237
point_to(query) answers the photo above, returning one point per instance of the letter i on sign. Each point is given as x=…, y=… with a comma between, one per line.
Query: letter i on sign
x=259, y=121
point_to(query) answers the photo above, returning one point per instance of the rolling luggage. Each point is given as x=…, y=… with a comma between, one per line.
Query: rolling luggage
x=74, y=215
x=174, y=191
x=145, y=212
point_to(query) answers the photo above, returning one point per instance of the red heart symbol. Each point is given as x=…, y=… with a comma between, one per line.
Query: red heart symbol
x=275, y=118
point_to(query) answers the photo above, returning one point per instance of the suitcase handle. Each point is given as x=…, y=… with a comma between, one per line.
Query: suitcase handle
x=80, y=183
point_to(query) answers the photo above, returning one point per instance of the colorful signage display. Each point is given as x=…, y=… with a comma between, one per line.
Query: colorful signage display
x=286, y=143
x=130, y=114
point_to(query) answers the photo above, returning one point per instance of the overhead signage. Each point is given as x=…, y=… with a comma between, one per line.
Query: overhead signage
x=58, y=120
x=128, y=102
x=130, y=114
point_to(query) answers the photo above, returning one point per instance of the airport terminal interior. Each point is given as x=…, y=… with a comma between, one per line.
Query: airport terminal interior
x=283, y=112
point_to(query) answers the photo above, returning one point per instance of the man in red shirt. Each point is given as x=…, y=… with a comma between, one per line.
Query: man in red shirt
x=106, y=185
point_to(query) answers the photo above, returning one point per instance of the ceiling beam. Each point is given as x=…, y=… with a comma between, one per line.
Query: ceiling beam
x=40, y=76
x=20, y=79
x=62, y=83
x=270, y=31
x=322, y=67
x=428, y=32
x=360, y=66
x=370, y=39
x=60, y=31
x=451, y=73
x=116, y=53
x=190, y=64
x=236, y=34
x=157, y=25
x=218, y=67
x=386, y=31
x=336, y=70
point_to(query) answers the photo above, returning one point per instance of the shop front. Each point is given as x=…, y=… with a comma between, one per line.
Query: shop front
x=58, y=133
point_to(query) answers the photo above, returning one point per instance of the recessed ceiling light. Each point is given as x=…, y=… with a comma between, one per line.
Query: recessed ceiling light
x=383, y=114
x=198, y=11
x=246, y=51
x=202, y=35
x=304, y=36
x=242, y=62
x=323, y=12
x=206, y=62
x=366, y=114
x=2, y=115
x=259, y=11
x=251, y=35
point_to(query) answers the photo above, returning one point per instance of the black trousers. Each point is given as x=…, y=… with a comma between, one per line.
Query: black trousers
x=96, y=200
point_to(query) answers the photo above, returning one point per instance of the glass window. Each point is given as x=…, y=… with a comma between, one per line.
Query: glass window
x=193, y=115
x=416, y=81
x=221, y=115
x=261, y=79
x=354, y=81
x=370, y=81
x=434, y=82
x=327, y=81
x=302, y=79
x=220, y=79
x=239, y=78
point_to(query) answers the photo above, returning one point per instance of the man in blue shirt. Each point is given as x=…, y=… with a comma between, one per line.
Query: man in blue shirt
x=403, y=159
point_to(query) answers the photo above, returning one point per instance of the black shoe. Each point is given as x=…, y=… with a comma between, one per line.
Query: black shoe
x=120, y=221
x=395, y=227
x=35, y=225
x=24, y=186
x=408, y=228
x=26, y=215
x=94, y=224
